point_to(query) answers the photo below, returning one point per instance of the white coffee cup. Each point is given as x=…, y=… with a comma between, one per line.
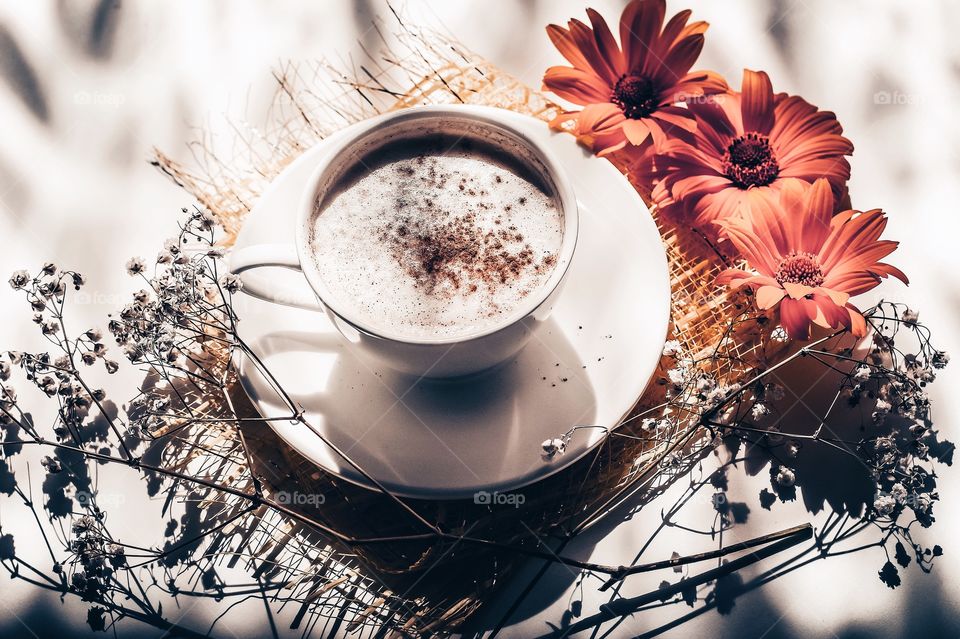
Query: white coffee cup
x=443, y=356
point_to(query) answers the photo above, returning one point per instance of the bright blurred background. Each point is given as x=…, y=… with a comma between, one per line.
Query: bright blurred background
x=88, y=88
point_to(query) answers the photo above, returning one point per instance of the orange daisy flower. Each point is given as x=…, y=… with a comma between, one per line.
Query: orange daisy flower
x=630, y=96
x=808, y=260
x=745, y=145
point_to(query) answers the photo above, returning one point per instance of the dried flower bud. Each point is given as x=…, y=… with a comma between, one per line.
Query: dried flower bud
x=922, y=503
x=706, y=383
x=671, y=348
x=759, y=410
x=136, y=266
x=52, y=289
x=884, y=504
x=205, y=220
x=675, y=376
x=553, y=447
x=117, y=555
x=133, y=352
x=78, y=580
x=19, y=279
x=881, y=410
x=51, y=464
x=231, y=283
x=84, y=524
x=785, y=477
x=48, y=385
x=898, y=492
x=940, y=359
x=910, y=317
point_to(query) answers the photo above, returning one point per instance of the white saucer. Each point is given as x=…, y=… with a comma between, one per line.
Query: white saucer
x=443, y=439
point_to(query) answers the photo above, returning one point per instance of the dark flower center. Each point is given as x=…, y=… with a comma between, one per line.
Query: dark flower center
x=636, y=96
x=749, y=161
x=800, y=268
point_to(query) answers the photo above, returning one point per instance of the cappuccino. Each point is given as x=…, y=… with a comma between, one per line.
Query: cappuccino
x=438, y=237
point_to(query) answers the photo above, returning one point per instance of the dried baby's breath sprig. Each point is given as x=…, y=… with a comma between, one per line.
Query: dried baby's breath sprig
x=884, y=377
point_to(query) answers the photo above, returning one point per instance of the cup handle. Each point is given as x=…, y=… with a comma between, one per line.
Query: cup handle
x=283, y=255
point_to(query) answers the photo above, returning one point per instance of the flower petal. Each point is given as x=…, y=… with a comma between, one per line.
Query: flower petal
x=656, y=132
x=699, y=185
x=769, y=296
x=678, y=61
x=601, y=65
x=674, y=29
x=565, y=44
x=828, y=313
x=858, y=325
x=837, y=297
x=600, y=128
x=606, y=44
x=640, y=25
x=636, y=131
x=601, y=117
x=579, y=87
x=725, y=203
x=797, y=291
x=757, y=107
x=694, y=85
x=794, y=318
x=818, y=210
x=676, y=117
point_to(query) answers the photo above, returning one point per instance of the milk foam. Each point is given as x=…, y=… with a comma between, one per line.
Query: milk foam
x=436, y=242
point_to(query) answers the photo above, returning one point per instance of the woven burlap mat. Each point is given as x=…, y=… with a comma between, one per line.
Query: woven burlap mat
x=383, y=586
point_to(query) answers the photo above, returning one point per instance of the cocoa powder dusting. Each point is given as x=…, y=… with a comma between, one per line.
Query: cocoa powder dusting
x=442, y=249
x=455, y=249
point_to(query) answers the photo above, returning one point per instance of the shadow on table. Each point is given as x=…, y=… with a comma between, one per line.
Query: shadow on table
x=840, y=500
